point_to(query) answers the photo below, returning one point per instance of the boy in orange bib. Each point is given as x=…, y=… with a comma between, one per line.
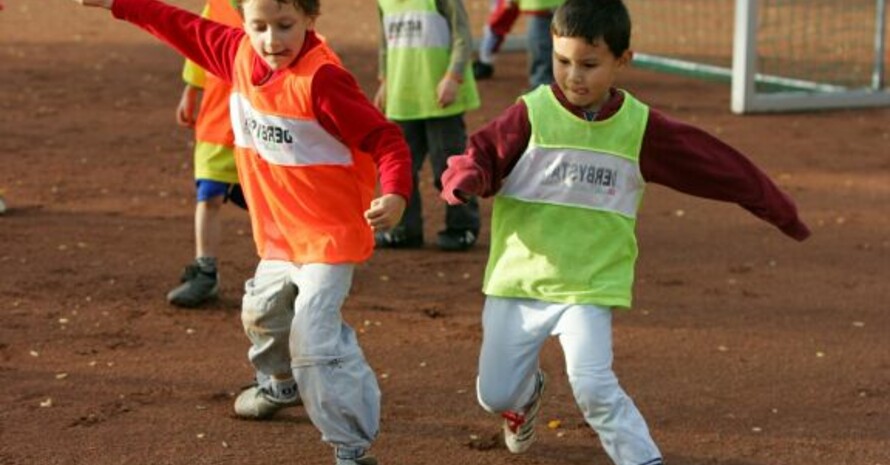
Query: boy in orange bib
x=308, y=146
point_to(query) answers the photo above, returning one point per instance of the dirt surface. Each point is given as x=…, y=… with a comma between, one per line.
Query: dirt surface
x=743, y=346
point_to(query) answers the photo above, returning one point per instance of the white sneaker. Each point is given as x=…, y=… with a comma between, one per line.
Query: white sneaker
x=257, y=403
x=519, y=427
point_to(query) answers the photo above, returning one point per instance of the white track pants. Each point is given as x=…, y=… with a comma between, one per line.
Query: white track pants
x=514, y=330
x=291, y=314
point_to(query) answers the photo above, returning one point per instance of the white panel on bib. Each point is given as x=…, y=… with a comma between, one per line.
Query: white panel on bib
x=285, y=141
x=416, y=29
x=579, y=178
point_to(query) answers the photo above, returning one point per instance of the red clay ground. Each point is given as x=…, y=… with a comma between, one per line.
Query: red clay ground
x=744, y=347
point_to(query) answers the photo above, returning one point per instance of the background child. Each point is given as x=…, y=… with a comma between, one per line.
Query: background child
x=426, y=86
x=307, y=142
x=504, y=14
x=568, y=165
x=216, y=179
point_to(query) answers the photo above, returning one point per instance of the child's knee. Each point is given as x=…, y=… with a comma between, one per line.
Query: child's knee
x=496, y=397
x=264, y=313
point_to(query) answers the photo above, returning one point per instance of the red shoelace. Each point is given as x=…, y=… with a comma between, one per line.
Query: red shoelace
x=514, y=420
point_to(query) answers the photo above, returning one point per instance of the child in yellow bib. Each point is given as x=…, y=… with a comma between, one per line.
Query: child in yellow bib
x=204, y=105
x=426, y=86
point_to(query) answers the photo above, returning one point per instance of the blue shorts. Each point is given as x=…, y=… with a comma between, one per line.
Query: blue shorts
x=207, y=189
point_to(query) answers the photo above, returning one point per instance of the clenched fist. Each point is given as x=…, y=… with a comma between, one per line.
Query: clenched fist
x=385, y=212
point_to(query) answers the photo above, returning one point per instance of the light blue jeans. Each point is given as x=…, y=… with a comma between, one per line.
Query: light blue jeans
x=291, y=314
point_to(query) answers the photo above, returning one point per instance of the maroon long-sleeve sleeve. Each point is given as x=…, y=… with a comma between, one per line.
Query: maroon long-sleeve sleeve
x=689, y=160
x=340, y=106
x=673, y=154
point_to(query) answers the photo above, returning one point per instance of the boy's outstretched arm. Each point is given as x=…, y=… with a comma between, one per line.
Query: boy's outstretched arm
x=687, y=159
x=209, y=44
x=491, y=154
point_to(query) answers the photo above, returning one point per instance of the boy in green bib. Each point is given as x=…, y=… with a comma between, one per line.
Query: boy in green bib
x=426, y=86
x=567, y=166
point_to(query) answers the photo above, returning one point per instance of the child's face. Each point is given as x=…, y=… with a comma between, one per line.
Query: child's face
x=276, y=30
x=585, y=72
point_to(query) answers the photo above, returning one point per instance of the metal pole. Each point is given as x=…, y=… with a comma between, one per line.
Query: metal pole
x=877, y=79
x=744, y=55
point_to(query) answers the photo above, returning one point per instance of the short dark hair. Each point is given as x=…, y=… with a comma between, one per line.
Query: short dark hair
x=309, y=7
x=593, y=20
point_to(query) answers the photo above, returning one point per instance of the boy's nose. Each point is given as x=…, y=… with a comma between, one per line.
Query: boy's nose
x=575, y=73
x=270, y=39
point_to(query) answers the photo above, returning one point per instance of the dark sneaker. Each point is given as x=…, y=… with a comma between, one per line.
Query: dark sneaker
x=363, y=459
x=197, y=287
x=397, y=239
x=482, y=71
x=258, y=403
x=519, y=427
x=452, y=240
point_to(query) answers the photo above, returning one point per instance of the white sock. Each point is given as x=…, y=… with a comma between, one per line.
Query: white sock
x=284, y=390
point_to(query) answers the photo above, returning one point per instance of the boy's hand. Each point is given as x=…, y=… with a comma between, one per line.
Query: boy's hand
x=446, y=91
x=98, y=3
x=454, y=196
x=460, y=181
x=380, y=97
x=187, y=110
x=385, y=211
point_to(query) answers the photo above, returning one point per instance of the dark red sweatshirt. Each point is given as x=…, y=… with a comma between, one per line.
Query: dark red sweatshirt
x=673, y=154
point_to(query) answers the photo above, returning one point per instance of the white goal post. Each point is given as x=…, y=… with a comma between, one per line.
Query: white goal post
x=800, y=94
x=778, y=55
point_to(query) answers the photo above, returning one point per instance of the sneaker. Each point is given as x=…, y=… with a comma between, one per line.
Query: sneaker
x=363, y=460
x=257, y=403
x=452, y=240
x=482, y=71
x=397, y=238
x=197, y=287
x=519, y=427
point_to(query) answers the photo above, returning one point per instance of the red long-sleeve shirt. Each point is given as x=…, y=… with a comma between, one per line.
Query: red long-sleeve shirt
x=673, y=154
x=338, y=102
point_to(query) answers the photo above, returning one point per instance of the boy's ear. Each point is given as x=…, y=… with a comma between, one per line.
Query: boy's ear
x=626, y=58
